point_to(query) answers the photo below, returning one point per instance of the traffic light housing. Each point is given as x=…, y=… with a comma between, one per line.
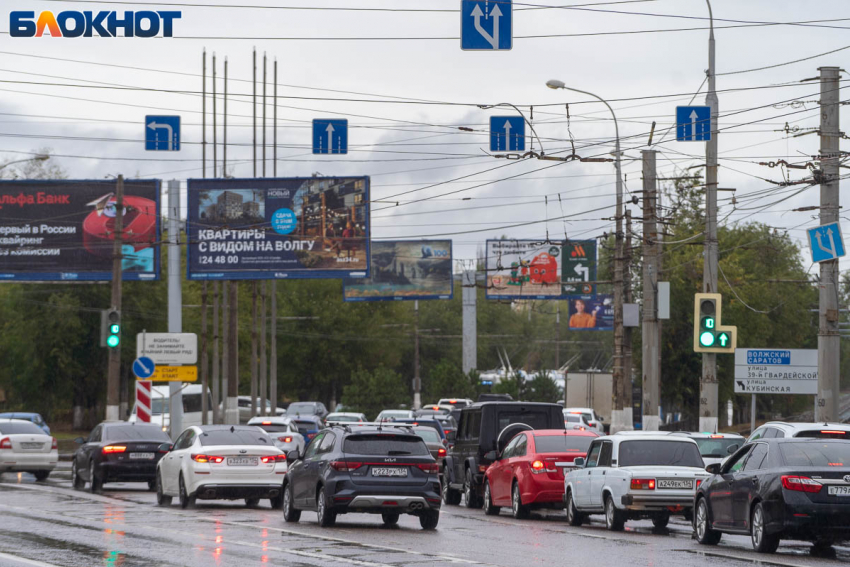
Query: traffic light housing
x=710, y=335
x=113, y=328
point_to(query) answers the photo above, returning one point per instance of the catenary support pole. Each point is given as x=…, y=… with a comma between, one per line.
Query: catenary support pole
x=254, y=109
x=470, y=322
x=113, y=395
x=829, y=341
x=650, y=420
x=708, y=397
x=274, y=142
x=214, y=119
x=264, y=113
x=224, y=145
x=626, y=388
x=175, y=299
x=204, y=114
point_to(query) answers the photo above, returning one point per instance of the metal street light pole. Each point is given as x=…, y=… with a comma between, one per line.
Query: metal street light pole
x=39, y=157
x=618, y=421
x=708, y=397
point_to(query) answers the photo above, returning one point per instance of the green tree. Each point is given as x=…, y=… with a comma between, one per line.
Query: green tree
x=372, y=391
x=543, y=388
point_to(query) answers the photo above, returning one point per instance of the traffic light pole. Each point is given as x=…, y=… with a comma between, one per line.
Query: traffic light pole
x=175, y=300
x=708, y=395
x=114, y=365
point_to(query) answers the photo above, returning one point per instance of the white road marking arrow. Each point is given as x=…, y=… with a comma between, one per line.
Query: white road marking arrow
x=493, y=40
x=145, y=368
x=583, y=270
x=330, y=131
x=830, y=250
x=694, y=124
x=508, y=136
x=153, y=126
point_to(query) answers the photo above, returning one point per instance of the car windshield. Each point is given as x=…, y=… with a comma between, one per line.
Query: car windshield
x=572, y=418
x=562, y=443
x=306, y=408
x=384, y=445
x=816, y=454
x=536, y=419
x=394, y=413
x=659, y=453
x=716, y=448
x=431, y=412
x=428, y=435
x=305, y=427
x=134, y=433
x=343, y=418
x=825, y=433
x=21, y=427
x=237, y=437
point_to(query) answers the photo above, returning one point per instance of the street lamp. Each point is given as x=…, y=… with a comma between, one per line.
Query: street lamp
x=37, y=157
x=619, y=375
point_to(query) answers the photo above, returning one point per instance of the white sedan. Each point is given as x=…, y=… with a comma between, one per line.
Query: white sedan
x=24, y=447
x=221, y=462
x=283, y=430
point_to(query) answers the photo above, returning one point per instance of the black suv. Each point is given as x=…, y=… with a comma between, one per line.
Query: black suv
x=380, y=469
x=478, y=434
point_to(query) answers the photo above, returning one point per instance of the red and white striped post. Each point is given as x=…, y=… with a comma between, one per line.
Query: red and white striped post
x=143, y=401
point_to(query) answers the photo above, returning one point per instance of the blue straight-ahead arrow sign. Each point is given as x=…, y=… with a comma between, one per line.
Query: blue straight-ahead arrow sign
x=507, y=134
x=693, y=123
x=330, y=136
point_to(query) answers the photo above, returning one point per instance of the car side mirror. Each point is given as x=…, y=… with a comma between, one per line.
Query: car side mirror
x=491, y=456
x=166, y=448
x=732, y=448
x=713, y=468
x=579, y=461
x=293, y=455
x=79, y=440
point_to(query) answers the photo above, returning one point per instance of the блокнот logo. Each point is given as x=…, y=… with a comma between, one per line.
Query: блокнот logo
x=71, y=23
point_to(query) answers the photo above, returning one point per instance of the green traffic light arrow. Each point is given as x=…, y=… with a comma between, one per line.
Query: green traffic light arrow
x=723, y=338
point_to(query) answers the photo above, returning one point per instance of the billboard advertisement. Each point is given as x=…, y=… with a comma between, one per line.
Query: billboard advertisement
x=405, y=269
x=310, y=227
x=591, y=312
x=64, y=230
x=523, y=269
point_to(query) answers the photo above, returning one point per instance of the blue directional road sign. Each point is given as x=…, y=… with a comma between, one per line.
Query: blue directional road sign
x=330, y=136
x=826, y=242
x=162, y=133
x=143, y=367
x=507, y=133
x=486, y=25
x=693, y=123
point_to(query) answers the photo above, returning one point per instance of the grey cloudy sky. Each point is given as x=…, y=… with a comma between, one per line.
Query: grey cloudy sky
x=409, y=147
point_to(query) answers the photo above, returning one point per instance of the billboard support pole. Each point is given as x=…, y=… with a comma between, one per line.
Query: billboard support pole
x=114, y=364
x=417, y=383
x=225, y=350
x=264, y=391
x=273, y=349
x=232, y=415
x=253, y=365
x=205, y=362
x=175, y=299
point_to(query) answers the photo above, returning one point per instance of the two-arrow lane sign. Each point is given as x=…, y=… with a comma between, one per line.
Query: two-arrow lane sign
x=507, y=134
x=162, y=133
x=330, y=136
x=486, y=25
x=826, y=242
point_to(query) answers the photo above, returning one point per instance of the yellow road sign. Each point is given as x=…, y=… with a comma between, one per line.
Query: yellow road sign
x=175, y=374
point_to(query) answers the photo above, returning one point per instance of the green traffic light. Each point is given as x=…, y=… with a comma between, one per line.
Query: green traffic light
x=706, y=339
x=724, y=339
x=709, y=322
x=112, y=341
x=114, y=329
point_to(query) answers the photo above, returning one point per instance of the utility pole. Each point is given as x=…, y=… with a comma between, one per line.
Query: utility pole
x=708, y=394
x=232, y=415
x=417, y=384
x=558, y=338
x=649, y=337
x=470, y=321
x=175, y=299
x=829, y=347
x=626, y=382
x=113, y=396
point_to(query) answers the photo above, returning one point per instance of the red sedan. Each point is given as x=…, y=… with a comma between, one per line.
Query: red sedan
x=530, y=471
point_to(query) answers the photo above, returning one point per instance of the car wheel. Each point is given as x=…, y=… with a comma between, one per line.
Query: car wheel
x=702, y=527
x=574, y=517
x=472, y=500
x=76, y=480
x=290, y=514
x=519, y=511
x=489, y=508
x=614, y=519
x=661, y=520
x=450, y=495
x=95, y=484
x=763, y=542
x=186, y=501
x=41, y=475
x=429, y=519
x=252, y=502
x=277, y=501
x=823, y=548
x=390, y=518
x=326, y=517
x=161, y=498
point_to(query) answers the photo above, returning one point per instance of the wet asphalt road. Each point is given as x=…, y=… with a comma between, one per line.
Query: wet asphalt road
x=50, y=524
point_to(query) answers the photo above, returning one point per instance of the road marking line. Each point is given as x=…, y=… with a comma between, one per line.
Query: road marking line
x=761, y=560
x=25, y=561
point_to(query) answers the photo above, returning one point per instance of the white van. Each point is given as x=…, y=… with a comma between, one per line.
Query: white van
x=160, y=407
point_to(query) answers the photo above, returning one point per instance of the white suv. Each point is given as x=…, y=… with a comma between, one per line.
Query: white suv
x=825, y=430
x=631, y=475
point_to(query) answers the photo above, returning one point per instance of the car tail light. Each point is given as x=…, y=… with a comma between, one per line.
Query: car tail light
x=643, y=484
x=800, y=484
x=715, y=437
x=345, y=466
x=537, y=467
x=269, y=458
x=430, y=468
x=441, y=452
x=5, y=443
x=699, y=481
x=54, y=444
x=482, y=468
x=113, y=449
x=285, y=439
x=447, y=431
x=207, y=459
x=266, y=423
x=830, y=432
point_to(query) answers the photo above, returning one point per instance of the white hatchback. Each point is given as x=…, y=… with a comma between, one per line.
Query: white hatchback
x=221, y=462
x=24, y=447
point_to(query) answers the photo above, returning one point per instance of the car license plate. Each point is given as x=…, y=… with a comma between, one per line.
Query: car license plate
x=389, y=471
x=242, y=461
x=839, y=490
x=141, y=455
x=669, y=483
x=26, y=445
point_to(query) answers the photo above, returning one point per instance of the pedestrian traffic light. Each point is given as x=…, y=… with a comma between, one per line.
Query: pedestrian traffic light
x=113, y=321
x=709, y=334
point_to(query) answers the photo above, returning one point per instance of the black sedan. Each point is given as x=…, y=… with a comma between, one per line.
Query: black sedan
x=118, y=451
x=775, y=489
